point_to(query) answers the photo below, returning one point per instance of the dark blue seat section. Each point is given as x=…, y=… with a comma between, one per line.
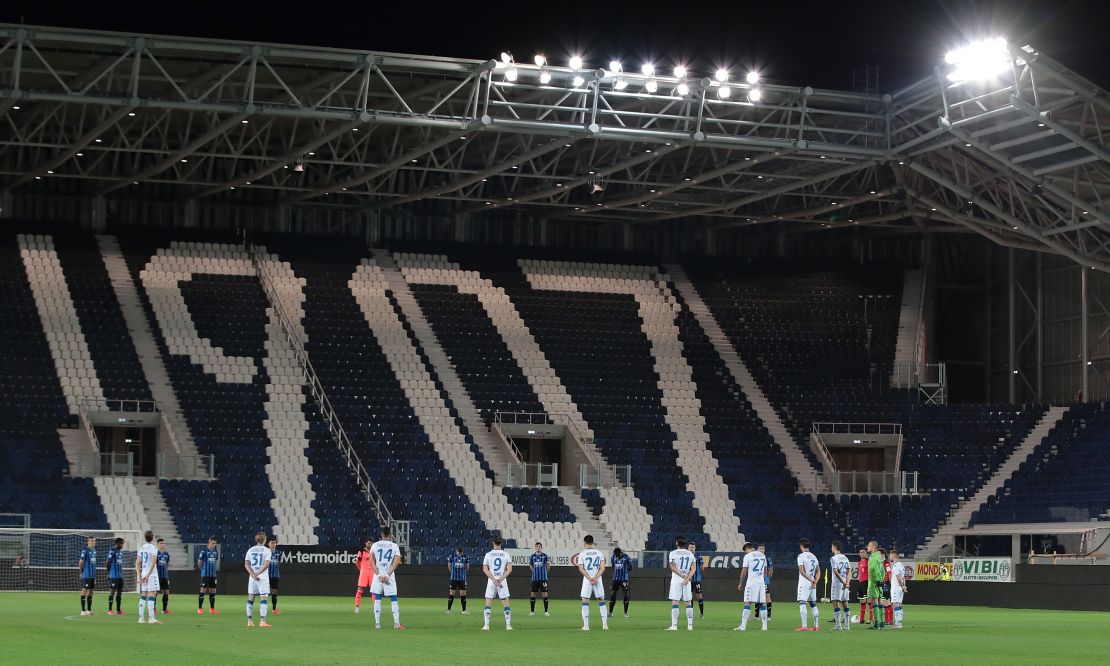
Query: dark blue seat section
x=372, y=406
x=1066, y=478
x=110, y=344
x=596, y=344
x=32, y=406
x=488, y=371
x=543, y=505
x=225, y=419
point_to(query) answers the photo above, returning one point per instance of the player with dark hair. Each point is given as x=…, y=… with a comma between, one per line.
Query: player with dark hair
x=540, y=564
x=146, y=572
x=457, y=564
x=768, y=573
x=841, y=579
x=695, y=582
x=622, y=565
x=681, y=564
x=861, y=586
x=809, y=577
x=875, y=571
x=87, y=567
x=257, y=565
x=497, y=565
x=888, y=609
x=114, y=564
x=164, y=575
x=208, y=561
x=385, y=557
x=363, y=564
x=275, y=573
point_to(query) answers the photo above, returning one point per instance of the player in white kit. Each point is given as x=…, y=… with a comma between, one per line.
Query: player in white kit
x=841, y=587
x=809, y=573
x=385, y=557
x=754, y=585
x=497, y=565
x=257, y=564
x=681, y=562
x=897, y=586
x=591, y=563
x=146, y=567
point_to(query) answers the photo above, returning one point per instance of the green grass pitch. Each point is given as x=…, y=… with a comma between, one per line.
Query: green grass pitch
x=41, y=627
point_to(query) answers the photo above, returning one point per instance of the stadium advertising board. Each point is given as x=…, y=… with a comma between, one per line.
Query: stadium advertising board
x=559, y=558
x=322, y=559
x=983, y=569
x=928, y=571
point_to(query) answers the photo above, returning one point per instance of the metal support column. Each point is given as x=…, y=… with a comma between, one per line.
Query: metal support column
x=1011, y=327
x=988, y=354
x=1085, y=354
x=1040, y=326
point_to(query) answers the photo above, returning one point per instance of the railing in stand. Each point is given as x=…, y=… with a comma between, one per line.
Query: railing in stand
x=930, y=380
x=869, y=483
x=532, y=475
x=592, y=478
x=335, y=427
x=176, y=466
x=586, y=445
x=102, y=464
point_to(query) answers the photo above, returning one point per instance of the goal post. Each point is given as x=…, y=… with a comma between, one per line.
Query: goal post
x=40, y=560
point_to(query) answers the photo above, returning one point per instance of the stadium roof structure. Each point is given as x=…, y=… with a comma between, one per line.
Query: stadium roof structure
x=1022, y=160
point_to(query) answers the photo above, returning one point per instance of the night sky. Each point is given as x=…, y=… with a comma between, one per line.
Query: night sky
x=790, y=42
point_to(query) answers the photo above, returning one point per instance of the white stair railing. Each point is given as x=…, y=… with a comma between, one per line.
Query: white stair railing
x=316, y=387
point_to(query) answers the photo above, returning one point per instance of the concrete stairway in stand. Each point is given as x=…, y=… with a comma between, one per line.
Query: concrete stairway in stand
x=960, y=516
x=161, y=521
x=799, y=465
x=909, y=320
x=586, y=519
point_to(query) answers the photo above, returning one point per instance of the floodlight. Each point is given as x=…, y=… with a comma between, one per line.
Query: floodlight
x=511, y=74
x=723, y=92
x=615, y=66
x=578, y=81
x=682, y=89
x=679, y=72
x=506, y=57
x=540, y=60
x=979, y=60
x=755, y=94
x=651, y=86
x=545, y=77
x=648, y=69
x=575, y=62
x=722, y=75
x=620, y=84
x=753, y=77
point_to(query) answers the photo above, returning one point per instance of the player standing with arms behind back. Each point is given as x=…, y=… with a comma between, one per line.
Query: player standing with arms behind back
x=897, y=586
x=146, y=570
x=497, y=565
x=540, y=564
x=275, y=573
x=164, y=575
x=681, y=564
x=809, y=573
x=87, y=566
x=257, y=564
x=841, y=586
x=457, y=564
x=385, y=557
x=622, y=564
x=591, y=563
x=754, y=585
x=208, y=561
x=115, y=577
x=695, y=582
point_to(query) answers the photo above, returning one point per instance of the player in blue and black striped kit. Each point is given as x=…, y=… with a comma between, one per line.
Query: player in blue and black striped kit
x=163, y=565
x=540, y=564
x=622, y=563
x=695, y=582
x=208, y=561
x=87, y=566
x=114, y=564
x=457, y=564
x=275, y=573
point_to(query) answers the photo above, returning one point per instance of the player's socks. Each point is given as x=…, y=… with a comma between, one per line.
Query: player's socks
x=396, y=611
x=674, y=615
x=836, y=616
x=745, y=616
x=545, y=601
x=486, y=613
x=612, y=603
x=377, y=610
x=898, y=617
x=119, y=600
x=508, y=618
x=689, y=616
x=250, y=608
x=463, y=602
x=764, y=615
x=211, y=601
x=450, y=601
x=813, y=607
x=604, y=615
x=701, y=607
x=150, y=607
x=888, y=615
x=83, y=609
x=200, y=601
x=626, y=605
x=585, y=614
x=863, y=612
x=142, y=607
x=358, y=597
x=273, y=597
x=769, y=604
x=263, y=608
x=805, y=616
x=532, y=601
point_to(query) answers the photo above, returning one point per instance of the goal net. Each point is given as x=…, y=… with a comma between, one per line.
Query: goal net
x=47, y=560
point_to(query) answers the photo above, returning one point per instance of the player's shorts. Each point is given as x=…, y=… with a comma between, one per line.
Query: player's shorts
x=274, y=580
x=596, y=589
x=840, y=593
x=384, y=589
x=258, y=587
x=806, y=591
x=501, y=592
x=755, y=592
x=886, y=590
x=459, y=585
x=151, y=585
x=540, y=586
x=874, y=591
x=620, y=585
x=365, y=578
x=679, y=591
x=861, y=589
x=695, y=586
x=88, y=583
x=896, y=594
x=209, y=581
x=164, y=583
x=117, y=584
